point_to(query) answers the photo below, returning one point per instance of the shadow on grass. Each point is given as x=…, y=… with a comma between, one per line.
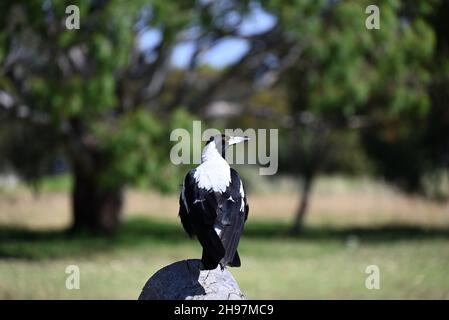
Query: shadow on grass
x=148, y=233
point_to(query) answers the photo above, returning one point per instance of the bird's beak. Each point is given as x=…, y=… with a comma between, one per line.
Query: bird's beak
x=235, y=140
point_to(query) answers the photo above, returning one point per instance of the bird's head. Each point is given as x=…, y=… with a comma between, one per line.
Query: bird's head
x=222, y=142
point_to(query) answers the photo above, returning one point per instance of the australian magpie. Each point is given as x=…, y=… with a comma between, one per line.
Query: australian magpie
x=213, y=204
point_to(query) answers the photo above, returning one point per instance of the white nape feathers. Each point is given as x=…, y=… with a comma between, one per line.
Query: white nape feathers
x=214, y=172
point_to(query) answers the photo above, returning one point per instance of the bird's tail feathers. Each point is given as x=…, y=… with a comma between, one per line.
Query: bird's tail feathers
x=213, y=250
x=235, y=261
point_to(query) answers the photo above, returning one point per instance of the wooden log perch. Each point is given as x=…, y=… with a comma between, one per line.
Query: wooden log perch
x=183, y=280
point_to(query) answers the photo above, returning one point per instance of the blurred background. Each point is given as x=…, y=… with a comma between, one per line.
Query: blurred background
x=363, y=118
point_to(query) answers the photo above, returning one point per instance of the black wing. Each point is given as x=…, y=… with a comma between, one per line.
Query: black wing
x=198, y=209
x=204, y=213
x=231, y=216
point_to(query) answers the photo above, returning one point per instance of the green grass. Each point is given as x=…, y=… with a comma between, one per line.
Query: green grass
x=323, y=262
x=62, y=182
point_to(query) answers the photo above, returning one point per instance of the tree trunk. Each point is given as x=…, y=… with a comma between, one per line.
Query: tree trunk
x=95, y=208
x=304, y=203
x=319, y=146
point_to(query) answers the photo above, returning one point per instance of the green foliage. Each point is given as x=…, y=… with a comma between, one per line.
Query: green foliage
x=343, y=71
x=75, y=77
x=388, y=77
x=138, y=147
x=34, y=160
x=410, y=147
x=346, y=69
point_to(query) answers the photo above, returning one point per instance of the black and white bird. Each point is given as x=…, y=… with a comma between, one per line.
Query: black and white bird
x=213, y=205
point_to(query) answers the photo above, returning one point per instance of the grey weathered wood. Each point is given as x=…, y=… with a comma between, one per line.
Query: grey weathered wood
x=183, y=280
